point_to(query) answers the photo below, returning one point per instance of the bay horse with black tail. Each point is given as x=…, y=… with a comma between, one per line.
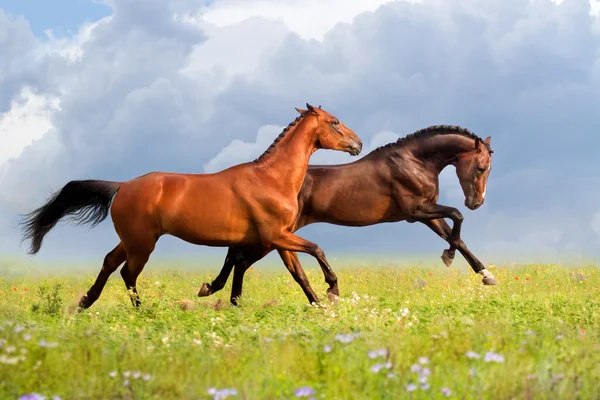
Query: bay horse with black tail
x=395, y=182
x=254, y=203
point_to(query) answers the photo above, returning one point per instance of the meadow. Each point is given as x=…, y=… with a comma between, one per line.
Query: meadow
x=395, y=332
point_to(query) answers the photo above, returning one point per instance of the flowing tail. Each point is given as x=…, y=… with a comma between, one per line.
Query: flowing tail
x=85, y=202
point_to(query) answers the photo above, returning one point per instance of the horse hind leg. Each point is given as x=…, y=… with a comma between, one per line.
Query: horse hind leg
x=111, y=262
x=138, y=248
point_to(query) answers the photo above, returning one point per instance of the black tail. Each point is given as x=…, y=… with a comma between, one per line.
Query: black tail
x=83, y=201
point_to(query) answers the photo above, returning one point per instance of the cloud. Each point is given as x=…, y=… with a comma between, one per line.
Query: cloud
x=178, y=86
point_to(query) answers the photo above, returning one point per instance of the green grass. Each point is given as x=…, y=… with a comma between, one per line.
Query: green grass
x=545, y=325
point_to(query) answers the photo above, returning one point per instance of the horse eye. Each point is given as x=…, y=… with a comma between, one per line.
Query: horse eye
x=336, y=122
x=481, y=170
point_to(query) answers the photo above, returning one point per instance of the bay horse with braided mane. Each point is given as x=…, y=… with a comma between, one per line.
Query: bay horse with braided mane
x=254, y=203
x=395, y=182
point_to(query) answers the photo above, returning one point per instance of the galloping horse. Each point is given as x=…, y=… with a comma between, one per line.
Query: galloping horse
x=254, y=203
x=395, y=182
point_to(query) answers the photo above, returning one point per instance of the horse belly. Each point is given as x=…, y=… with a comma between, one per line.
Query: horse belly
x=215, y=220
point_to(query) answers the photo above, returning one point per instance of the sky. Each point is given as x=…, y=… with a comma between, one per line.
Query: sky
x=115, y=89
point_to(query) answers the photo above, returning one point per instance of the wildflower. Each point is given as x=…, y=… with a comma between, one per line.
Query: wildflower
x=425, y=386
x=19, y=329
x=56, y=398
x=196, y=341
x=126, y=374
x=10, y=349
x=473, y=372
x=415, y=368
x=491, y=356
x=26, y=337
x=405, y=312
x=327, y=348
x=165, y=340
x=530, y=332
x=25, y=289
x=46, y=344
x=378, y=353
x=391, y=375
x=425, y=372
x=472, y=354
x=136, y=374
x=157, y=283
x=32, y=396
x=411, y=387
x=146, y=377
x=531, y=377
x=15, y=289
x=304, y=392
x=430, y=274
x=446, y=392
x=528, y=279
x=423, y=379
x=346, y=338
x=376, y=368
x=126, y=382
x=220, y=394
x=112, y=374
x=558, y=337
x=423, y=360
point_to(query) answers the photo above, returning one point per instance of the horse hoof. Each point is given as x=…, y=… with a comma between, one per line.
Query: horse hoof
x=447, y=258
x=205, y=290
x=333, y=297
x=489, y=280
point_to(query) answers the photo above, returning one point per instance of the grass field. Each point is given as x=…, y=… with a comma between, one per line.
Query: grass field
x=394, y=333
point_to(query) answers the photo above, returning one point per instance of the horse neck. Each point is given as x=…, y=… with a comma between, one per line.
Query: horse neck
x=288, y=159
x=439, y=151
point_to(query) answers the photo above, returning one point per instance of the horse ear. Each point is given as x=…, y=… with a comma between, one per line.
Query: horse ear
x=301, y=111
x=311, y=109
x=478, y=144
x=488, y=140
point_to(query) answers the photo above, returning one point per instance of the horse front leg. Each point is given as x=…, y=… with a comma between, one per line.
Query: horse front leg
x=430, y=211
x=443, y=230
x=233, y=254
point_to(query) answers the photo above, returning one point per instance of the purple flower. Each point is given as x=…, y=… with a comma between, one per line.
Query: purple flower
x=19, y=328
x=378, y=353
x=423, y=360
x=425, y=372
x=425, y=386
x=473, y=372
x=472, y=354
x=346, y=338
x=415, y=368
x=44, y=343
x=32, y=396
x=491, y=356
x=446, y=392
x=222, y=393
x=391, y=375
x=423, y=379
x=327, y=348
x=376, y=368
x=304, y=392
x=411, y=387
x=146, y=377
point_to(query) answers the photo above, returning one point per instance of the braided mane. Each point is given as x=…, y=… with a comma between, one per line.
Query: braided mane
x=281, y=135
x=434, y=130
